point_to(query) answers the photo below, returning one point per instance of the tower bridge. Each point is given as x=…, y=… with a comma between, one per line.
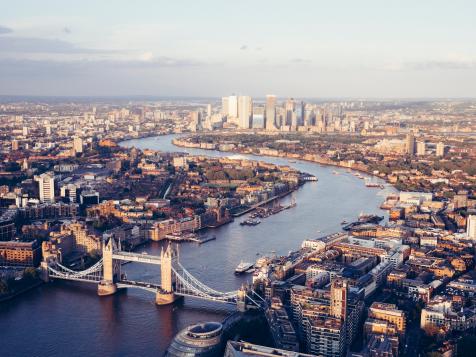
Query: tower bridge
x=175, y=281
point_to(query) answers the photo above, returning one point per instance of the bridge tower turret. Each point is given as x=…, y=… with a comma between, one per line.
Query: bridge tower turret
x=111, y=268
x=241, y=299
x=166, y=294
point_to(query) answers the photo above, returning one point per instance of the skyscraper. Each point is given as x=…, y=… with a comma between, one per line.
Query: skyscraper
x=233, y=106
x=46, y=185
x=410, y=144
x=245, y=110
x=290, y=108
x=224, y=106
x=209, y=110
x=270, y=113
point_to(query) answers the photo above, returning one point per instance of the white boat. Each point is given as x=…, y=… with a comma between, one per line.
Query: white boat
x=243, y=267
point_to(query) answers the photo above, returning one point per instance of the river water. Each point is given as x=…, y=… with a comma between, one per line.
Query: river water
x=69, y=319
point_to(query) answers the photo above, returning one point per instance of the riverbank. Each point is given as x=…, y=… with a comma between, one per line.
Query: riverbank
x=283, y=155
x=13, y=295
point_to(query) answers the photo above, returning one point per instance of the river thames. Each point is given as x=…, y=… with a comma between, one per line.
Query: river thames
x=69, y=319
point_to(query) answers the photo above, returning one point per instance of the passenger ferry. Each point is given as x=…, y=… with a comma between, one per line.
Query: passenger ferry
x=243, y=267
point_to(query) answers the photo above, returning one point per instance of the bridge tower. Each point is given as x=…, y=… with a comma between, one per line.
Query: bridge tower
x=111, y=268
x=241, y=299
x=166, y=294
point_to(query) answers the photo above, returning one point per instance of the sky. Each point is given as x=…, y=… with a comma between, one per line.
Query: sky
x=312, y=49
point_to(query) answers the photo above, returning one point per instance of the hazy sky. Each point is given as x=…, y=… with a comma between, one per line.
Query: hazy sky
x=381, y=48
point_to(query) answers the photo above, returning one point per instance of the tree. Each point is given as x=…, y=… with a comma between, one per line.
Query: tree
x=30, y=273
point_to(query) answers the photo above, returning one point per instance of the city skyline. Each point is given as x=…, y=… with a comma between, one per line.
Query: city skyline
x=319, y=50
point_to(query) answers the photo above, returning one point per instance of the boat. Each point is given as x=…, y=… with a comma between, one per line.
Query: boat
x=250, y=222
x=243, y=267
x=335, y=172
x=344, y=222
x=373, y=184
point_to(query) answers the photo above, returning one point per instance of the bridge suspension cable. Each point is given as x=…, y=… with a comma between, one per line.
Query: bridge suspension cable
x=92, y=274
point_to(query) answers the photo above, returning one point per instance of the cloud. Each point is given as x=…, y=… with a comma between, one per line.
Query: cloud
x=4, y=30
x=244, y=47
x=300, y=60
x=40, y=45
x=66, y=30
x=446, y=64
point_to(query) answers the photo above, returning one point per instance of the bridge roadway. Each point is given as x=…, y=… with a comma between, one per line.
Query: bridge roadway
x=139, y=284
x=136, y=257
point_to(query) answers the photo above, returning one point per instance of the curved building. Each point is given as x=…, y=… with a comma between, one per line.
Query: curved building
x=203, y=339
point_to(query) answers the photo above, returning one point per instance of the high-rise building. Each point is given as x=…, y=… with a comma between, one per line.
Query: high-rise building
x=410, y=144
x=471, y=227
x=14, y=145
x=224, y=106
x=290, y=108
x=440, y=149
x=421, y=148
x=339, y=292
x=25, y=131
x=270, y=113
x=209, y=110
x=77, y=145
x=245, y=110
x=46, y=183
x=233, y=106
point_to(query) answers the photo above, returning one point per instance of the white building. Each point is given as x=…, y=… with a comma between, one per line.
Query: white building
x=46, y=184
x=421, y=148
x=440, y=149
x=245, y=108
x=233, y=106
x=471, y=227
x=270, y=113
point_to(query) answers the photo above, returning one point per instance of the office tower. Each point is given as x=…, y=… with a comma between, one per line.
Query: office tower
x=245, y=110
x=209, y=110
x=421, y=148
x=410, y=144
x=270, y=113
x=25, y=131
x=46, y=183
x=300, y=114
x=224, y=106
x=339, y=293
x=233, y=106
x=440, y=149
x=471, y=227
x=14, y=145
x=290, y=108
x=77, y=145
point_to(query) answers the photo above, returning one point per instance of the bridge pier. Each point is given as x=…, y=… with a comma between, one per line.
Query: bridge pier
x=106, y=288
x=166, y=298
x=44, y=274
